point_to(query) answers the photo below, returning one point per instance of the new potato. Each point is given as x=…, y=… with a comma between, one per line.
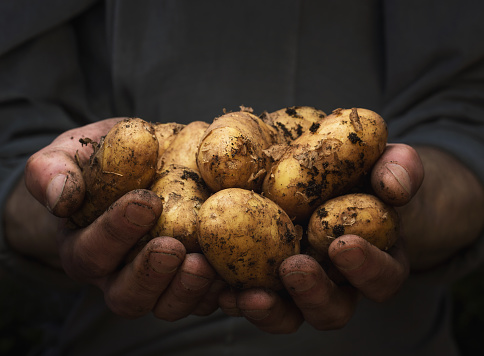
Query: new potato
x=182, y=192
x=183, y=148
x=165, y=134
x=357, y=214
x=231, y=152
x=245, y=237
x=124, y=160
x=326, y=161
x=293, y=121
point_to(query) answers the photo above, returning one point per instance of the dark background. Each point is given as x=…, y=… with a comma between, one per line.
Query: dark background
x=21, y=317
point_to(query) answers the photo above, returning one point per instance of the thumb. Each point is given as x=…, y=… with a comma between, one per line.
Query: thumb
x=54, y=178
x=53, y=175
x=398, y=174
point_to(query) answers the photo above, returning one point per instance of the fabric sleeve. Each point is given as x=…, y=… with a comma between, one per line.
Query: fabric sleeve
x=41, y=92
x=434, y=85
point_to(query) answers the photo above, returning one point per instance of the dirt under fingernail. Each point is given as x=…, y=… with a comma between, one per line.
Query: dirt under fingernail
x=164, y=262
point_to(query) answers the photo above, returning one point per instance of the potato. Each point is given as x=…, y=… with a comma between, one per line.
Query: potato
x=182, y=192
x=165, y=133
x=293, y=121
x=326, y=161
x=245, y=237
x=357, y=214
x=231, y=154
x=124, y=160
x=184, y=146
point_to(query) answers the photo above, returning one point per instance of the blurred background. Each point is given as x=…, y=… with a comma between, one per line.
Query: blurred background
x=21, y=318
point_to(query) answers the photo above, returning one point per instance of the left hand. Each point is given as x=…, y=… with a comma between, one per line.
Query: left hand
x=372, y=273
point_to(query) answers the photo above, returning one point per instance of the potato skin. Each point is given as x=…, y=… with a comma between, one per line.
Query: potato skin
x=357, y=214
x=182, y=192
x=326, y=161
x=124, y=160
x=293, y=121
x=245, y=237
x=165, y=133
x=184, y=146
x=231, y=154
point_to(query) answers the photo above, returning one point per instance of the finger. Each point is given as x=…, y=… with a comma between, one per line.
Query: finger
x=397, y=175
x=188, y=287
x=227, y=301
x=269, y=311
x=135, y=290
x=53, y=176
x=209, y=303
x=96, y=251
x=323, y=304
x=378, y=275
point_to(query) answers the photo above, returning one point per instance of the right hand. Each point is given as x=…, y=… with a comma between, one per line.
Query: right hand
x=161, y=278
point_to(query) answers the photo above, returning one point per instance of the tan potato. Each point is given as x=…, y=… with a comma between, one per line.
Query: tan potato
x=353, y=214
x=245, y=237
x=292, y=122
x=182, y=192
x=184, y=146
x=231, y=154
x=124, y=160
x=326, y=161
x=165, y=133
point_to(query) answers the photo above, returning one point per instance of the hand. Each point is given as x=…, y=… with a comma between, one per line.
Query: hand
x=314, y=296
x=161, y=278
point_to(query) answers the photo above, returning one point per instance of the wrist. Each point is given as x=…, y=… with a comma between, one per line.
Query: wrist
x=446, y=214
x=30, y=229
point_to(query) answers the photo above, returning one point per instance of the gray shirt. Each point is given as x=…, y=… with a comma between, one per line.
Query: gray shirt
x=418, y=63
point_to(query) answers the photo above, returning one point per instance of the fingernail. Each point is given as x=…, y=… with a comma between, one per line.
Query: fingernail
x=299, y=281
x=350, y=258
x=192, y=281
x=164, y=262
x=54, y=190
x=401, y=176
x=139, y=214
x=256, y=314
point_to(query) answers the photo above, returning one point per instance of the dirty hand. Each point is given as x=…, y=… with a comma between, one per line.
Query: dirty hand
x=162, y=278
x=369, y=272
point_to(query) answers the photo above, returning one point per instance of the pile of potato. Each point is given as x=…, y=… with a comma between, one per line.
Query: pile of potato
x=249, y=191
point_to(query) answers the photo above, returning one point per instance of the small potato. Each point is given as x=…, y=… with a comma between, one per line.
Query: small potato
x=165, y=133
x=356, y=214
x=124, y=160
x=231, y=154
x=326, y=161
x=245, y=237
x=182, y=192
x=293, y=121
x=184, y=146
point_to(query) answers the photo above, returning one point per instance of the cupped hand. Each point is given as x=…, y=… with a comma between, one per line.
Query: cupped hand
x=368, y=272
x=161, y=278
